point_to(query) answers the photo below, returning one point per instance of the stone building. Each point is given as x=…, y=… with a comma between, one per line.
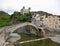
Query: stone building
x=48, y=21
x=58, y=22
x=38, y=19
x=51, y=21
x=23, y=10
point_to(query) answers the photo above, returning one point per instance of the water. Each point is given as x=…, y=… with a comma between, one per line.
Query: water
x=56, y=38
x=53, y=41
x=46, y=42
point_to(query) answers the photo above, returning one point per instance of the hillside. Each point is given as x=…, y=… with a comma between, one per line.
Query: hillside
x=41, y=12
x=17, y=17
x=4, y=19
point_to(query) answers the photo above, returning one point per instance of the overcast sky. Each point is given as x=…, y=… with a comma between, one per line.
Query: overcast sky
x=50, y=6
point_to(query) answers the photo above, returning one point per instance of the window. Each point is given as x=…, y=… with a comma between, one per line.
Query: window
x=40, y=29
x=59, y=19
x=41, y=19
x=40, y=25
x=59, y=16
x=59, y=26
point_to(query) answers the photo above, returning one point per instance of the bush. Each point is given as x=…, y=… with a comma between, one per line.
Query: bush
x=21, y=18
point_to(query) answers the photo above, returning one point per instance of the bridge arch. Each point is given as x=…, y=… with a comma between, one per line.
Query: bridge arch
x=11, y=29
x=33, y=27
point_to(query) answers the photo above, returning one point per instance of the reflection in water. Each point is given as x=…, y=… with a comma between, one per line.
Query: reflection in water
x=46, y=42
x=42, y=44
x=53, y=41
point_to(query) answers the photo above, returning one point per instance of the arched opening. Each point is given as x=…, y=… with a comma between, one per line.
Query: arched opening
x=41, y=32
x=31, y=29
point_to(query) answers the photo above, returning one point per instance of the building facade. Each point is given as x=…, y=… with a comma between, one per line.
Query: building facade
x=58, y=22
x=23, y=10
x=38, y=20
x=49, y=21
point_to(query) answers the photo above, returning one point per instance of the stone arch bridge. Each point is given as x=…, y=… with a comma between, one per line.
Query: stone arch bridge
x=16, y=26
x=10, y=29
x=5, y=31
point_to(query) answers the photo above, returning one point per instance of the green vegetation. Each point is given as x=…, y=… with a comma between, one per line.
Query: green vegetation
x=41, y=12
x=4, y=19
x=17, y=17
x=25, y=37
x=46, y=42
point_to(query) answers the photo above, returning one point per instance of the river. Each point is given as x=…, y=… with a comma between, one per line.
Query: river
x=56, y=38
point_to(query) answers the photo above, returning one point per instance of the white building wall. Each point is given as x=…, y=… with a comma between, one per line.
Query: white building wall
x=23, y=11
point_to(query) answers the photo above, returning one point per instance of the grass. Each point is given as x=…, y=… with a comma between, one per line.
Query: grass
x=46, y=42
x=5, y=23
x=4, y=19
